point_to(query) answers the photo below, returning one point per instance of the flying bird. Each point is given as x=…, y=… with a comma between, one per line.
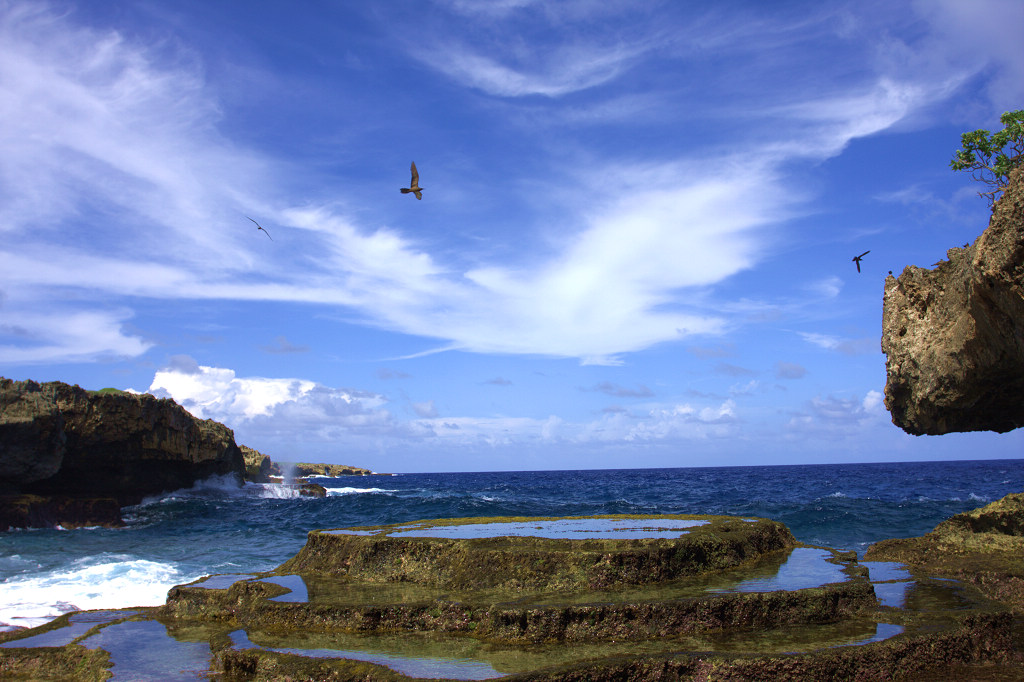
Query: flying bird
x=260, y=227
x=414, y=186
x=856, y=259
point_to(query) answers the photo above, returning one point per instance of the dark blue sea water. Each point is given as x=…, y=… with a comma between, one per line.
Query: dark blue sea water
x=218, y=527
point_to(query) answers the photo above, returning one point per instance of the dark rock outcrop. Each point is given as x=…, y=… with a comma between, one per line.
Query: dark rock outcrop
x=312, y=490
x=258, y=466
x=954, y=336
x=34, y=511
x=58, y=440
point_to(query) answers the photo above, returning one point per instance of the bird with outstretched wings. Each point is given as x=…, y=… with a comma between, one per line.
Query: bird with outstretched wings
x=260, y=227
x=856, y=259
x=414, y=185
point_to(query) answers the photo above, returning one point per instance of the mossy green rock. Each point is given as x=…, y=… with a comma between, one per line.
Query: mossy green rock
x=983, y=546
x=392, y=554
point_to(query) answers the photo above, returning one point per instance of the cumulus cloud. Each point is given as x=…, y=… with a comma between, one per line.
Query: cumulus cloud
x=217, y=393
x=686, y=422
x=841, y=417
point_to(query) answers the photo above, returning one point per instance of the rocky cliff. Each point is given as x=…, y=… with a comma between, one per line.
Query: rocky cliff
x=954, y=336
x=307, y=469
x=60, y=440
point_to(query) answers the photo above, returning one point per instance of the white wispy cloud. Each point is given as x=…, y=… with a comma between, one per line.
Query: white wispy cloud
x=843, y=345
x=125, y=137
x=29, y=336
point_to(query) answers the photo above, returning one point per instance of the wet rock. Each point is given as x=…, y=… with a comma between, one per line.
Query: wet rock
x=954, y=336
x=695, y=620
x=60, y=440
x=391, y=554
x=312, y=490
x=983, y=547
x=34, y=511
x=258, y=466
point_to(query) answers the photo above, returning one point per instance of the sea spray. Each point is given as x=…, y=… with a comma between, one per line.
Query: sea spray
x=219, y=527
x=90, y=583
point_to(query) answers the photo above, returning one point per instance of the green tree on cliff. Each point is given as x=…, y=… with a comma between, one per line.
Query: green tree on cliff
x=991, y=157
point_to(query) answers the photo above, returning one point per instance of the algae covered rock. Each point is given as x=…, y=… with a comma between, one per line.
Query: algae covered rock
x=983, y=546
x=480, y=553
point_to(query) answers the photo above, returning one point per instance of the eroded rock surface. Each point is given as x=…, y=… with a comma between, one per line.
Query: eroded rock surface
x=58, y=440
x=983, y=546
x=692, y=598
x=258, y=466
x=954, y=335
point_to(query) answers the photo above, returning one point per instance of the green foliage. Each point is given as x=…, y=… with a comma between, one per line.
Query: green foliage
x=991, y=157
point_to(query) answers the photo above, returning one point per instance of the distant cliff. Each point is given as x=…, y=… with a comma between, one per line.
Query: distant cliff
x=59, y=441
x=954, y=336
x=306, y=469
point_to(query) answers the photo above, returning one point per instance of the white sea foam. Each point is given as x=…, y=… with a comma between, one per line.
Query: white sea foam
x=273, y=491
x=225, y=484
x=354, y=491
x=108, y=582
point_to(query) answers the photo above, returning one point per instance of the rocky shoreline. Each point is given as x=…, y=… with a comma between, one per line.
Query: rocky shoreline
x=73, y=458
x=616, y=597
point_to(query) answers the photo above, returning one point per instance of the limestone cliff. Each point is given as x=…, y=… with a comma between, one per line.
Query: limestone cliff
x=57, y=439
x=257, y=465
x=306, y=469
x=954, y=336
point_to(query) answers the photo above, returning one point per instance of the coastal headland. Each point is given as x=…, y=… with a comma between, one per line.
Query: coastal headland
x=70, y=457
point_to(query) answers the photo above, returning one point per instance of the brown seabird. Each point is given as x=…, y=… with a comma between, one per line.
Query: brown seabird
x=414, y=186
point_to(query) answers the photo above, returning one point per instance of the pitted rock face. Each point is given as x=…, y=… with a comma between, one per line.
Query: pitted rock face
x=954, y=336
x=57, y=439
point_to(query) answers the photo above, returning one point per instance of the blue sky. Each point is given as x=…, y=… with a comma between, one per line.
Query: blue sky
x=633, y=250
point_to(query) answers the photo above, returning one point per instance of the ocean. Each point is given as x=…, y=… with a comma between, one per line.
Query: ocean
x=219, y=527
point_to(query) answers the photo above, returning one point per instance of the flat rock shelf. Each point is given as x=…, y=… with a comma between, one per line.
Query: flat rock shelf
x=603, y=597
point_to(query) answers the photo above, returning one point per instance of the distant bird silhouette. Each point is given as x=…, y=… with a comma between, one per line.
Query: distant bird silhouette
x=260, y=227
x=856, y=259
x=414, y=186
